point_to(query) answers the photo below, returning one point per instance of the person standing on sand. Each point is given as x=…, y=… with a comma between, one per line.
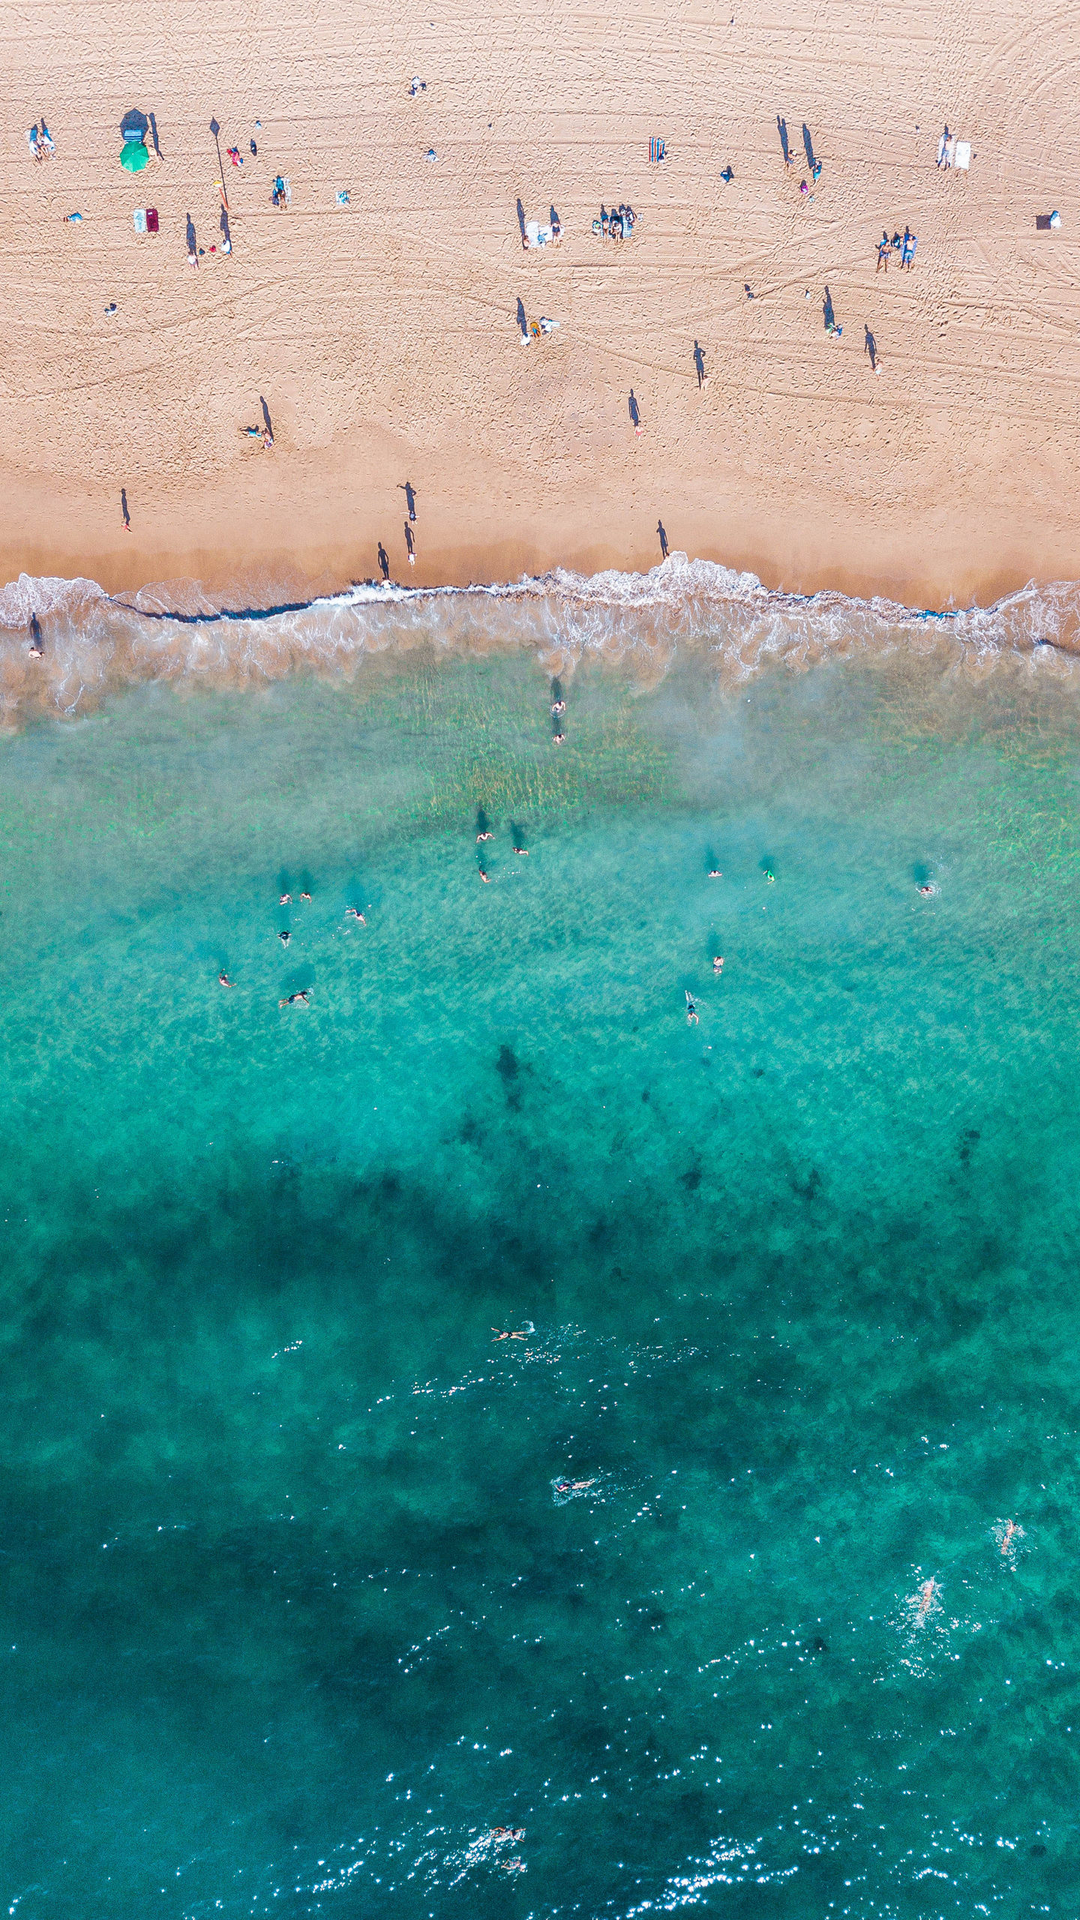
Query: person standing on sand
x=699, y=364
x=409, y=544
x=384, y=561
x=124, y=510
x=409, y=491
x=883, y=252
x=635, y=414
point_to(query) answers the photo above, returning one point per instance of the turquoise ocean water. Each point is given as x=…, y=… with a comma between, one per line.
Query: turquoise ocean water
x=743, y=1578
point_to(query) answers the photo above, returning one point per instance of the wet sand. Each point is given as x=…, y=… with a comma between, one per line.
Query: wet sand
x=384, y=339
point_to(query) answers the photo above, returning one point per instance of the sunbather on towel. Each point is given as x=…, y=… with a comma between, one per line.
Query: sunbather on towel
x=907, y=258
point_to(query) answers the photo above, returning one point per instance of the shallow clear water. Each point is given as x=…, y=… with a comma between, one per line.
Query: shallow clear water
x=294, y=1613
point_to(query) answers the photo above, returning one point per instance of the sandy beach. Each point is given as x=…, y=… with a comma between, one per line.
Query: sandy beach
x=383, y=334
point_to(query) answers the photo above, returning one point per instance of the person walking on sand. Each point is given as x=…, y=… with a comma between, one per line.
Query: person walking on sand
x=699, y=364
x=883, y=252
x=124, y=510
x=409, y=544
x=635, y=414
x=384, y=561
x=871, y=347
x=406, y=487
x=663, y=540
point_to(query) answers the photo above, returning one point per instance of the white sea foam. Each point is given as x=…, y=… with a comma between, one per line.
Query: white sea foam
x=93, y=642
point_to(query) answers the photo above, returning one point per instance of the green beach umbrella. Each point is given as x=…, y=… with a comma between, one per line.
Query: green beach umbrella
x=134, y=128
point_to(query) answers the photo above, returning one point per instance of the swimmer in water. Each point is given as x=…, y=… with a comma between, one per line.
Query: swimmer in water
x=223, y=979
x=286, y=900
x=769, y=875
x=715, y=873
x=484, y=875
x=718, y=965
x=574, y=1486
x=295, y=999
x=1006, y=1539
x=506, y=1833
x=927, y=890
x=557, y=739
x=524, y=852
x=284, y=936
x=500, y=1335
x=927, y=1596
x=306, y=896
x=558, y=706
x=486, y=835
x=691, y=1010
x=354, y=913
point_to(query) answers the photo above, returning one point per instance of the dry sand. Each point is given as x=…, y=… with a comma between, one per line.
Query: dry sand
x=383, y=336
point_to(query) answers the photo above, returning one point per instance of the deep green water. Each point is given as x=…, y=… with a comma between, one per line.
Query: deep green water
x=291, y=1615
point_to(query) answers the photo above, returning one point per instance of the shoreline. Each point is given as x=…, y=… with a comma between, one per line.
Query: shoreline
x=796, y=561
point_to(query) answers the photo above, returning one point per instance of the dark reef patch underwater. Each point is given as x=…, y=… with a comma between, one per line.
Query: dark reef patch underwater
x=743, y=1578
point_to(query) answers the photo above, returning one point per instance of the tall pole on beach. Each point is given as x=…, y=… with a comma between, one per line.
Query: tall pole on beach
x=215, y=130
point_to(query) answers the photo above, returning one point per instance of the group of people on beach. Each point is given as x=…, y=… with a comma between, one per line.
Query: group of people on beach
x=618, y=224
x=904, y=244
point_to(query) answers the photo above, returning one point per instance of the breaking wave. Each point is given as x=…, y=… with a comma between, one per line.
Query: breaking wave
x=66, y=644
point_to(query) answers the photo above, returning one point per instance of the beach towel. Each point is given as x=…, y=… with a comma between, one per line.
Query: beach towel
x=532, y=233
x=342, y=197
x=962, y=155
x=151, y=220
x=139, y=217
